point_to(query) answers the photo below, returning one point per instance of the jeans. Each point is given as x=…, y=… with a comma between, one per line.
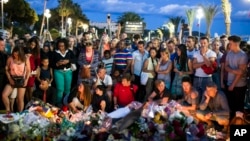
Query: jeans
x=63, y=81
x=200, y=84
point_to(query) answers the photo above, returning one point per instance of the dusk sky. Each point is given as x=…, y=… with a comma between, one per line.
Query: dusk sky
x=156, y=12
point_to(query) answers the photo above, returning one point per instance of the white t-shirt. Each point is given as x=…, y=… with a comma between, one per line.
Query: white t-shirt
x=107, y=80
x=199, y=71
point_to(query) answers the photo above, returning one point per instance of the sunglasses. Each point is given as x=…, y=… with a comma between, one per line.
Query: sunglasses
x=88, y=44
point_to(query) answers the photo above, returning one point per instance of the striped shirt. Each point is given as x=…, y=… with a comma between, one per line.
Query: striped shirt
x=108, y=64
x=120, y=59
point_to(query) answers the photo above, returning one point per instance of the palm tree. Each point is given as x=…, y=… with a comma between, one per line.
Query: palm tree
x=65, y=9
x=171, y=28
x=175, y=21
x=190, y=13
x=227, y=9
x=78, y=17
x=210, y=12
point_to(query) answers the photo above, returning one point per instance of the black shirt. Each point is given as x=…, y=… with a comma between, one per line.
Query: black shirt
x=159, y=95
x=96, y=100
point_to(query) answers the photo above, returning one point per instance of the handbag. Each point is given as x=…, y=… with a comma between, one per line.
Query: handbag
x=210, y=70
x=144, y=78
x=85, y=71
x=18, y=81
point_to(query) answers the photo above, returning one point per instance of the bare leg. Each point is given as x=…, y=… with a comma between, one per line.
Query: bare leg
x=5, y=96
x=28, y=93
x=20, y=98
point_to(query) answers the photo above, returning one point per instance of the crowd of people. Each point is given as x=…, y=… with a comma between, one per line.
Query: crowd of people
x=208, y=78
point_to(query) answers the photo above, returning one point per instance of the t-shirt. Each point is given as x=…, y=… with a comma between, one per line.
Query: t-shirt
x=108, y=64
x=124, y=94
x=199, y=71
x=107, y=80
x=139, y=59
x=234, y=61
x=96, y=100
x=120, y=59
x=166, y=93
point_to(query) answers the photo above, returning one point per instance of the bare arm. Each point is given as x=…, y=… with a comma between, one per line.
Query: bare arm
x=197, y=64
x=168, y=70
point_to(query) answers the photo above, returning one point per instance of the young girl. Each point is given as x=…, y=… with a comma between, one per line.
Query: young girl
x=44, y=72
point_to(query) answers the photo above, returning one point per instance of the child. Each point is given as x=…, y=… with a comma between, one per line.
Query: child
x=108, y=61
x=116, y=77
x=44, y=72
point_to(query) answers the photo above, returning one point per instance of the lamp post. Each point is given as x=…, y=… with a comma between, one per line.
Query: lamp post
x=109, y=24
x=47, y=15
x=2, y=13
x=199, y=15
x=69, y=22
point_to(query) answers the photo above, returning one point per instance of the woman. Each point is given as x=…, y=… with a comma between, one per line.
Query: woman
x=17, y=66
x=33, y=54
x=189, y=102
x=164, y=67
x=160, y=95
x=80, y=98
x=149, y=68
x=182, y=67
x=61, y=61
x=88, y=58
x=100, y=100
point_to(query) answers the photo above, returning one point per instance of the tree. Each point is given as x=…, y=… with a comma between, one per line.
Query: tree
x=175, y=21
x=78, y=17
x=23, y=15
x=190, y=13
x=131, y=17
x=227, y=9
x=210, y=12
x=65, y=9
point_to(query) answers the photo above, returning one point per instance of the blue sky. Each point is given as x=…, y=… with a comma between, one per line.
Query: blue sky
x=156, y=12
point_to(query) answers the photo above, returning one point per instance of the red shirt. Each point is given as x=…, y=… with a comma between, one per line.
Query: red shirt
x=124, y=94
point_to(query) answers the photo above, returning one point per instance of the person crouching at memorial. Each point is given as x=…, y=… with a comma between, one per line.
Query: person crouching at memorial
x=190, y=101
x=80, y=98
x=124, y=92
x=161, y=94
x=45, y=92
x=100, y=100
x=214, y=107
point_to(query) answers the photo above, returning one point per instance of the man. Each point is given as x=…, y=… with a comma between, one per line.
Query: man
x=102, y=78
x=171, y=49
x=224, y=42
x=124, y=92
x=139, y=56
x=122, y=59
x=136, y=38
x=3, y=59
x=204, y=57
x=190, y=43
x=214, y=107
x=45, y=92
x=235, y=65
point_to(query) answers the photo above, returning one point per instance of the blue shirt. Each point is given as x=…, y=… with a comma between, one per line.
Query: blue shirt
x=139, y=59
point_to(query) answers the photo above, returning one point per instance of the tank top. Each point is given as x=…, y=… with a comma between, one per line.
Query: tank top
x=151, y=66
x=17, y=69
x=45, y=74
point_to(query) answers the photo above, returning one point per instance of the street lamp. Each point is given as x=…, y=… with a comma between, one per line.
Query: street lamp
x=69, y=22
x=199, y=15
x=2, y=2
x=47, y=15
x=109, y=25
